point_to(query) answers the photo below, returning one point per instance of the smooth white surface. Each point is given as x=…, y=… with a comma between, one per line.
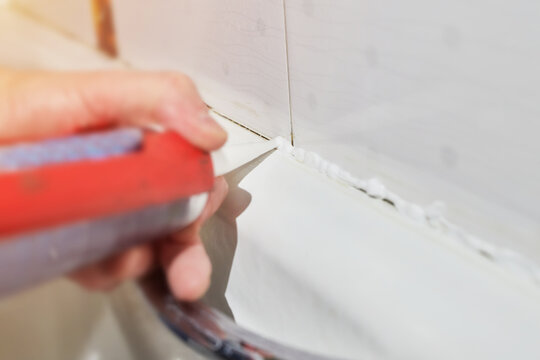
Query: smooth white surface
x=73, y=17
x=355, y=278
x=25, y=43
x=234, y=50
x=438, y=99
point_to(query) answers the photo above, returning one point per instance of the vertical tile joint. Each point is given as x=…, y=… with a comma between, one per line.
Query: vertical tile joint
x=288, y=70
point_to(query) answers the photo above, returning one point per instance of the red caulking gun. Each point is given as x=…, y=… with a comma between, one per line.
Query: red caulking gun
x=68, y=202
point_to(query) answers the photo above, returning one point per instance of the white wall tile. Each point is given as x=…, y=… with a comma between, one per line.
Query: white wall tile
x=71, y=16
x=234, y=49
x=438, y=98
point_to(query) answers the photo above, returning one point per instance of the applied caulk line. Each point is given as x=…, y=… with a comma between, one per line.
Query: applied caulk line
x=432, y=215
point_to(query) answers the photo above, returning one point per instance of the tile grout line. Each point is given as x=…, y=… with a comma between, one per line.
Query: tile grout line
x=236, y=122
x=288, y=70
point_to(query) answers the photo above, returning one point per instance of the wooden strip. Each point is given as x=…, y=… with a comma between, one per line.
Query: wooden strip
x=104, y=26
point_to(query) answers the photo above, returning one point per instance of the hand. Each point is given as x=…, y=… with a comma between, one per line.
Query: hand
x=35, y=104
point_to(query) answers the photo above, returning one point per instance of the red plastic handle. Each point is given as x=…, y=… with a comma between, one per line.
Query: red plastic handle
x=165, y=169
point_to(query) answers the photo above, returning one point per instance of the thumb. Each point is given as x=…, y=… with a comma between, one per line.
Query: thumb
x=40, y=104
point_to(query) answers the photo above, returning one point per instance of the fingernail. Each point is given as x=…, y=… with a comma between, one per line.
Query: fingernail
x=208, y=122
x=199, y=127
